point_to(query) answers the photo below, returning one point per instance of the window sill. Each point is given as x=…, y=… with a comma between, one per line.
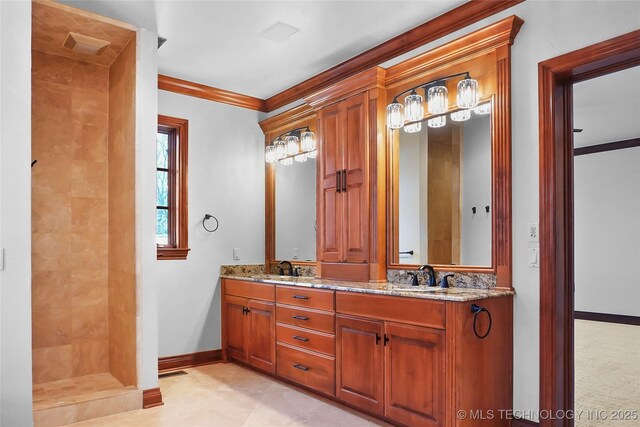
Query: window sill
x=172, y=253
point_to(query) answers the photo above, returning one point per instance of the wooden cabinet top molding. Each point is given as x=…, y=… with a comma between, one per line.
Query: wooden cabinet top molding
x=369, y=79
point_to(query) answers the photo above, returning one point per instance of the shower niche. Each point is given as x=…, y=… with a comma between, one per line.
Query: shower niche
x=84, y=307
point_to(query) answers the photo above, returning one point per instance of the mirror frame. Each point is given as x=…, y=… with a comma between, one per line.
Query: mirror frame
x=486, y=54
x=300, y=116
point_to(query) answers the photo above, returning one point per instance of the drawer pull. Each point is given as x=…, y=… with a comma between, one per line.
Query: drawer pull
x=296, y=337
x=300, y=317
x=301, y=297
x=302, y=368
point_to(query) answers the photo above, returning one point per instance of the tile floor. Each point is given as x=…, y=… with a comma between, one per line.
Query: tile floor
x=223, y=395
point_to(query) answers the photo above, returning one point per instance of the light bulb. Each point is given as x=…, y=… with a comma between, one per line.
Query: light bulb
x=307, y=141
x=281, y=150
x=413, y=108
x=483, y=109
x=312, y=154
x=460, y=116
x=437, y=99
x=286, y=162
x=270, y=154
x=467, y=93
x=413, y=127
x=292, y=144
x=300, y=157
x=437, y=122
x=395, y=115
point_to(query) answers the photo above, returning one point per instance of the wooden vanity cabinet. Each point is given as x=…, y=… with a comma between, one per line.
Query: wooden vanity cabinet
x=249, y=324
x=350, y=178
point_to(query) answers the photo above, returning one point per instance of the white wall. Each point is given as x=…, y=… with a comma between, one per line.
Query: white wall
x=15, y=213
x=296, y=211
x=226, y=179
x=607, y=232
x=476, y=191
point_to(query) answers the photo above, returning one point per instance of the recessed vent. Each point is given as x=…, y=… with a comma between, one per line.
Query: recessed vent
x=85, y=44
x=279, y=32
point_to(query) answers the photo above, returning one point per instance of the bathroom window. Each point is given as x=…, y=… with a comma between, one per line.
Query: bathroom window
x=171, y=188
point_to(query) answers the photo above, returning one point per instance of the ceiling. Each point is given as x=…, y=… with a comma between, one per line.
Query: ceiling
x=218, y=43
x=607, y=108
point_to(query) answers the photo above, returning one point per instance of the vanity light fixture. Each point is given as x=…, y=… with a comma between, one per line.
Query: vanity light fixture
x=413, y=127
x=460, y=115
x=437, y=96
x=297, y=144
x=483, y=109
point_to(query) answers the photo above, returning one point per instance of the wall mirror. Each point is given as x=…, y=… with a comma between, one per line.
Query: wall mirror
x=290, y=191
x=443, y=197
x=449, y=186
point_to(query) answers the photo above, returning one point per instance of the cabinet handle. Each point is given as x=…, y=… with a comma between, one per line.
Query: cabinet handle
x=300, y=317
x=386, y=340
x=377, y=338
x=303, y=339
x=338, y=181
x=245, y=310
x=301, y=297
x=302, y=368
x=344, y=180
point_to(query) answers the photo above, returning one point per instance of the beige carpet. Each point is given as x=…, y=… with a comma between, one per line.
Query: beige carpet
x=607, y=373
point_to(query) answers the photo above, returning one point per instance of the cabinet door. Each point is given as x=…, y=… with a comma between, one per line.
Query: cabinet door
x=236, y=327
x=330, y=200
x=414, y=373
x=262, y=335
x=359, y=362
x=356, y=198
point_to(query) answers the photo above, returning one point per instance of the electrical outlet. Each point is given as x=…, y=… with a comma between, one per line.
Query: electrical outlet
x=236, y=253
x=534, y=258
x=533, y=232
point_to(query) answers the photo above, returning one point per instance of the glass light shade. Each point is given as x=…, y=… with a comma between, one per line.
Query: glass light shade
x=483, y=109
x=460, y=116
x=312, y=154
x=413, y=127
x=437, y=122
x=395, y=115
x=413, y=107
x=307, y=141
x=286, y=162
x=293, y=145
x=300, y=157
x=270, y=154
x=281, y=150
x=437, y=99
x=467, y=93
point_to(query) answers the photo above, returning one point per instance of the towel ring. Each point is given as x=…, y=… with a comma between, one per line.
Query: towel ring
x=206, y=217
x=476, y=310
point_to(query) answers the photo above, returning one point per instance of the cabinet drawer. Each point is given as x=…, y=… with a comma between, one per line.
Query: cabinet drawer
x=305, y=318
x=304, y=297
x=415, y=311
x=316, y=341
x=312, y=370
x=254, y=290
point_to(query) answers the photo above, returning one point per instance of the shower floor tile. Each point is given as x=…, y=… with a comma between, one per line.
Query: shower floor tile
x=75, y=390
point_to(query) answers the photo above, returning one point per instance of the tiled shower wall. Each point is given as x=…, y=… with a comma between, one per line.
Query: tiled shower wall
x=70, y=104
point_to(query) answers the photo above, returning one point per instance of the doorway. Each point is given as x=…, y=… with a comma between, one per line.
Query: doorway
x=557, y=276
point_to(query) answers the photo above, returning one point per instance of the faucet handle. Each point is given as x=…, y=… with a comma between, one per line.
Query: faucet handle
x=414, y=279
x=445, y=283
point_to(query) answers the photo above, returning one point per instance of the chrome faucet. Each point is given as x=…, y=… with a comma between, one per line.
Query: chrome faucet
x=432, y=274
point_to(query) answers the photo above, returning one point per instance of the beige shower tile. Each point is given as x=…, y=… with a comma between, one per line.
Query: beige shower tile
x=89, y=323
x=50, y=251
x=50, y=213
x=52, y=363
x=52, y=327
x=53, y=417
x=89, y=287
x=122, y=291
x=89, y=141
x=89, y=215
x=90, y=106
x=90, y=251
x=124, y=402
x=90, y=76
x=90, y=357
x=89, y=179
x=51, y=68
x=51, y=124
x=50, y=289
x=51, y=175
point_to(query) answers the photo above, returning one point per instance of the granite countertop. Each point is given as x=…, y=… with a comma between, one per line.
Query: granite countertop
x=379, y=288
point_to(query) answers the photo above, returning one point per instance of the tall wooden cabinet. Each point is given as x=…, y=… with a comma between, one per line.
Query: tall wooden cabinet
x=350, y=197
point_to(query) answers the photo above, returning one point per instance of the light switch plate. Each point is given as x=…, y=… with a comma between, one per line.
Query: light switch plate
x=534, y=257
x=534, y=235
x=236, y=253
